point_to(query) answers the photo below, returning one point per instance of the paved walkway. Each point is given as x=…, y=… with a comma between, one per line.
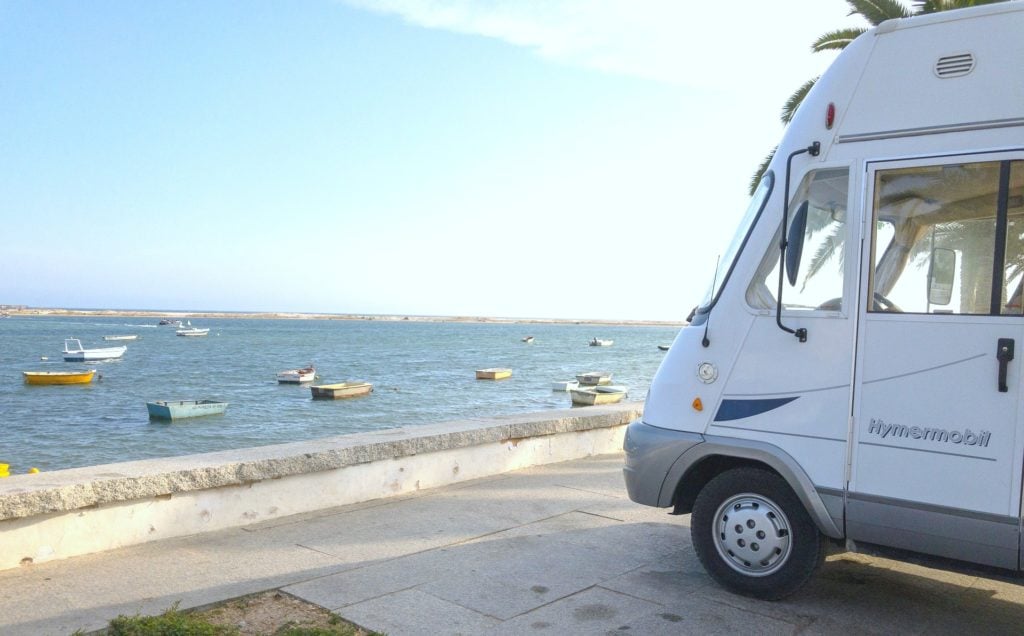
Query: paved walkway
x=552, y=550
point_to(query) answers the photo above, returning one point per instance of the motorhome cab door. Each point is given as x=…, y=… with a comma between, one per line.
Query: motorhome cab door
x=937, y=449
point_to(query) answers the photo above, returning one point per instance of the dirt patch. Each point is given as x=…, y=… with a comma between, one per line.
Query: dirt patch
x=270, y=612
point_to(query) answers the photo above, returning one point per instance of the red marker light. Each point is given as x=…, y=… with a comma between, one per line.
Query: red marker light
x=830, y=116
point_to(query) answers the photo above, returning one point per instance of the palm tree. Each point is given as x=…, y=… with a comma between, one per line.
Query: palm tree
x=874, y=12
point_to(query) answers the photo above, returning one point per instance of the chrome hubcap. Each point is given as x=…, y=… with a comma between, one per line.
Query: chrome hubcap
x=752, y=535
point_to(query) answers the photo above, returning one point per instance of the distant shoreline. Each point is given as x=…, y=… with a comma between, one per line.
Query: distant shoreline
x=273, y=315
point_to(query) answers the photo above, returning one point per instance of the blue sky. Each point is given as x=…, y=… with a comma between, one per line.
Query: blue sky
x=518, y=158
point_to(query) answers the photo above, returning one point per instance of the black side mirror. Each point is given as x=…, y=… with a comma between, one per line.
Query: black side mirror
x=795, y=243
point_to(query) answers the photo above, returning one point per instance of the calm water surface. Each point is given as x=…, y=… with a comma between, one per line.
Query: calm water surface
x=422, y=373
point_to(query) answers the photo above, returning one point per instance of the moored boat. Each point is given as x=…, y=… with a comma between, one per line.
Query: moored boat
x=180, y=409
x=131, y=337
x=594, y=378
x=597, y=395
x=493, y=374
x=297, y=376
x=663, y=347
x=341, y=390
x=74, y=352
x=189, y=330
x=59, y=377
x=528, y=339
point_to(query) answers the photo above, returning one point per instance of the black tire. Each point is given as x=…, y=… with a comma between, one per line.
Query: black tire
x=754, y=536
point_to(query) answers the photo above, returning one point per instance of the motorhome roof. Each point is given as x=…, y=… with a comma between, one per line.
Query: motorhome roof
x=957, y=75
x=947, y=16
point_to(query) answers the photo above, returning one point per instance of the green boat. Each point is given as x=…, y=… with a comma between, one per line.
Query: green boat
x=180, y=409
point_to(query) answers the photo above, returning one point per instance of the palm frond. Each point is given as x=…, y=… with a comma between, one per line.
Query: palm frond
x=794, y=101
x=830, y=248
x=756, y=178
x=836, y=40
x=878, y=11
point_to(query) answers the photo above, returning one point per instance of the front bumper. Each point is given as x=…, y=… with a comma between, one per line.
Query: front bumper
x=650, y=454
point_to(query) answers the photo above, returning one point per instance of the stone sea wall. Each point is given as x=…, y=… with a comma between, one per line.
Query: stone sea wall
x=59, y=514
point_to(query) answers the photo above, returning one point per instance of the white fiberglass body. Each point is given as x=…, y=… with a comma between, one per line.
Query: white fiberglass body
x=896, y=420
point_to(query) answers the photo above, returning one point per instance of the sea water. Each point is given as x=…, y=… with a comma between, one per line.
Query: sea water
x=422, y=373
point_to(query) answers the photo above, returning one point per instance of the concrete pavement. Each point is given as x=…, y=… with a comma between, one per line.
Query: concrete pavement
x=557, y=549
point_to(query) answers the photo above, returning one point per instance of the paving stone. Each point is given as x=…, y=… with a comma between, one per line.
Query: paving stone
x=355, y=585
x=693, y=615
x=415, y=613
x=592, y=611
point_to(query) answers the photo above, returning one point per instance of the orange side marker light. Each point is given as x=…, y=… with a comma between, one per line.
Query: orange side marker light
x=697, y=404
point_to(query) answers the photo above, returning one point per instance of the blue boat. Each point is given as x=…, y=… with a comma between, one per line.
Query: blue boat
x=180, y=409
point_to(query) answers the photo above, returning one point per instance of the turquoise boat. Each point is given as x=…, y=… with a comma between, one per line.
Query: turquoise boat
x=180, y=409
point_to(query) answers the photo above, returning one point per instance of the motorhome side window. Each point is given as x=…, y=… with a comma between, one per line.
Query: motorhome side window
x=934, y=240
x=819, y=280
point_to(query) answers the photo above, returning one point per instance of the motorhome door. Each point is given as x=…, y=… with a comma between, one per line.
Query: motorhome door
x=936, y=452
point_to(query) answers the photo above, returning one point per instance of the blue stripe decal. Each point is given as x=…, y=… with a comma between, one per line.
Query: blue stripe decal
x=739, y=409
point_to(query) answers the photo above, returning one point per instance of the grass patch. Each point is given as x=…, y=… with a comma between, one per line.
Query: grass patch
x=173, y=622
x=267, y=614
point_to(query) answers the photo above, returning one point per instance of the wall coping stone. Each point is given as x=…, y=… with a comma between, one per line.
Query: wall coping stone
x=71, y=489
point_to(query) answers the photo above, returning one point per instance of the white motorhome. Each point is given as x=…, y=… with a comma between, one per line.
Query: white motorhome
x=879, y=402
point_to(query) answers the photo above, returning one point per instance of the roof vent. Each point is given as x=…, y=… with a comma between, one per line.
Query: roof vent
x=958, y=65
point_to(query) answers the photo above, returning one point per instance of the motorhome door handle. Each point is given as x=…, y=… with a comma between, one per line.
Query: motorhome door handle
x=1004, y=353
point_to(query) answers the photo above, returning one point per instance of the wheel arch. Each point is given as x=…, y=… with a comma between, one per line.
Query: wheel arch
x=697, y=466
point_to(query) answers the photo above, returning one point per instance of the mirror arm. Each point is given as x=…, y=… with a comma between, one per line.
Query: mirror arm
x=814, y=150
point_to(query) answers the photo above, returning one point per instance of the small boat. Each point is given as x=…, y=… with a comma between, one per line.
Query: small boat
x=167, y=321
x=341, y=390
x=189, y=330
x=598, y=395
x=297, y=376
x=565, y=385
x=594, y=378
x=108, y=338
x=663, y=347
x=528, y=339
x=493, y=374
x=59, y=377
x=180, y=409
x=597, y=342
x=73, y=352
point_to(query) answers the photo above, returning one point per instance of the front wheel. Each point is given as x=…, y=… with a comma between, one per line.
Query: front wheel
x=753, y=535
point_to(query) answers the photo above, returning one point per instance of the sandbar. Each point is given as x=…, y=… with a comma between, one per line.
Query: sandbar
x=274, y=315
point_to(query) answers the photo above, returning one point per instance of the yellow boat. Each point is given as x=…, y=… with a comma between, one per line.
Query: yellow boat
x=59, y=377
x=493, y=374
x=341, y=390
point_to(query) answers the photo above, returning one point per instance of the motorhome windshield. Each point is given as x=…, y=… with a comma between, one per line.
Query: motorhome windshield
x=728, y=259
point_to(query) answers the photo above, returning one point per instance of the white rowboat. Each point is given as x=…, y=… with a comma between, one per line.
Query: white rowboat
x=565, y=385
x=74, y=352
x=189, y=330
x=597, y=395
x=594, y=378
x=297, y=376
